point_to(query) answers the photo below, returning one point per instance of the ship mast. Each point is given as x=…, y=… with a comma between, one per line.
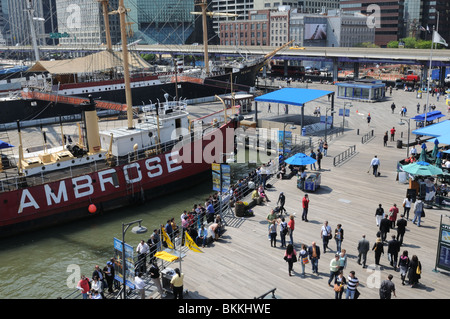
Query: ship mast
x=106, y=18
x=126, y=72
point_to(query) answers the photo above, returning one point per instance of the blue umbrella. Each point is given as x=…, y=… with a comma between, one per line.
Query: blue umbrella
x=5, y=145
x=300, y=159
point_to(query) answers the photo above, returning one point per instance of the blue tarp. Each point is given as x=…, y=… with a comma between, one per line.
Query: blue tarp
x=293, y=96
x=435, y=130
x=431, y=116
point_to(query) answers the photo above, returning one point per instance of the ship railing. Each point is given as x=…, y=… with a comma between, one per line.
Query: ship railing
x=167, y=146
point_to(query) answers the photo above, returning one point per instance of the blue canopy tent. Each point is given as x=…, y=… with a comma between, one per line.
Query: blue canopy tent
x=293, y=96
x=431, y=116
x=434, y=130
x=5, y=145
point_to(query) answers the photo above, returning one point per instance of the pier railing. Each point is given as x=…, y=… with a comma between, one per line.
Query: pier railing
x=341, y=157
x=367, y=137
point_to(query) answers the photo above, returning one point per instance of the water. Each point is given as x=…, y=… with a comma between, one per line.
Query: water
x=46, y=264
x=43, y=264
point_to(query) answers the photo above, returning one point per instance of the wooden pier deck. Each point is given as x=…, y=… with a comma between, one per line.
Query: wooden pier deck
x=243, y=265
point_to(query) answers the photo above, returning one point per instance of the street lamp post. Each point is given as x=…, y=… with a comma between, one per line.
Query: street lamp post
x=326, y=121
x=137, y=230
x=401, y=123
x=293, y=127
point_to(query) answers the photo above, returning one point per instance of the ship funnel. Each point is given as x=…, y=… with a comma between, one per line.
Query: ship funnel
x=91, y=126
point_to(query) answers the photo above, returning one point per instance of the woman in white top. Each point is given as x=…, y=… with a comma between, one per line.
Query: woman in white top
x=96, y=285
x=407, y=206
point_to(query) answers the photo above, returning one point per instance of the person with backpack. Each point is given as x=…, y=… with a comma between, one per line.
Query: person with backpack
x=283, y=231
x=387, y=288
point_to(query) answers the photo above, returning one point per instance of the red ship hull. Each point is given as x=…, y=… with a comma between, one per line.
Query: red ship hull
x=65, y=200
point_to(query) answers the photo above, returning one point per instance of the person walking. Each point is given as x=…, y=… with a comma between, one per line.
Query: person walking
x=334, y=269
x=418, y=210
x=273, y=234
x=325, y=234
x=313, y=155
x=393, y=249
x=343, y=259
x=363, y=249
x=283, y=231
x=281, y=201
x=177, y=284
x=393, y=107
x=379, y=213
x=385, y=138
x=325, y=148
x=387, y=288
x=385, y=226
x=155, y=276
x=314, y=256
x=352, y=284
x=414, y=271
x=401, y=228
x=393, y=211
x=290, y=255
x=319, y=159
x=338, y=237
x=403, y=264
x=378, y=249
x=303, y=258
x=375, y=163
x=291, y=227
x=305, y=205
x=393, y=134
x=339, y=283
x=407, y=206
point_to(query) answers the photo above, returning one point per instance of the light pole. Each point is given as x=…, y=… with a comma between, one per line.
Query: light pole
x=401, y=123
x=137, y=230
x=293, y=127
x=326, y=121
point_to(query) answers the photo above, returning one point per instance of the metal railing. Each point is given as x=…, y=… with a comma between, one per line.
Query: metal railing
x=367, y=137
x=344, y=155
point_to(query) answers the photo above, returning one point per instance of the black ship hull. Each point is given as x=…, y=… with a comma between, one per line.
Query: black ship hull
x=25, y=110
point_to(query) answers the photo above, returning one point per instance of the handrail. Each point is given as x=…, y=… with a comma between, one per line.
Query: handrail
x=344, y=155
x=366, y=137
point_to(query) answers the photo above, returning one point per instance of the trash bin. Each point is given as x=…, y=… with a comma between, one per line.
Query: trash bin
x=399, y=144
x=239, y=209
x=303, y=131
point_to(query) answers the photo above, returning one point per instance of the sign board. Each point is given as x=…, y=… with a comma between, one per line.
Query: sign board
x=58, y=35
x=329, y=119
x=221, y=175
x=129, y=263
x=287, y=140
x=347, y=112
x=443, y=253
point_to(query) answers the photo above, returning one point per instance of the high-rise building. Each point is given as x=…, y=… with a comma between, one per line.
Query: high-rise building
x=19, y=21
x=385, y=16
x=162, y=21
x=274, y=4
x=317, y=6
x=241, y=8
x=82, y=21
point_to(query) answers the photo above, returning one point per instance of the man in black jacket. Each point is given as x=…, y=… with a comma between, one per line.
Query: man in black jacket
x=385, y=226
x=401, y=228
x=393, y=249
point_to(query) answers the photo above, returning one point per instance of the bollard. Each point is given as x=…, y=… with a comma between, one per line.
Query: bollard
x=357, y=132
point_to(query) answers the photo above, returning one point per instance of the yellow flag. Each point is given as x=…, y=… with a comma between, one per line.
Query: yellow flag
x=166, y=238
x=191, y=244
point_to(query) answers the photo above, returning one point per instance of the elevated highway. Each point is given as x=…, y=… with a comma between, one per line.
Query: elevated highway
x=383, y=55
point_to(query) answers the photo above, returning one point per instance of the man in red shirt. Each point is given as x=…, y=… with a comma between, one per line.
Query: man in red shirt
x=392, y=134
x=393, y=211
x=83, y=285
x=305, y=204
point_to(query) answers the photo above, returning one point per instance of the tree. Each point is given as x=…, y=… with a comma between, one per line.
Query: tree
x=392, y=44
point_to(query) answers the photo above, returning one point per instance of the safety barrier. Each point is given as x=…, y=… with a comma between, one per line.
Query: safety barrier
x=344, y=155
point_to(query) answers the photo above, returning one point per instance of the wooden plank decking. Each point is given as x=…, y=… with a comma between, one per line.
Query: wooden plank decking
x=243, y=265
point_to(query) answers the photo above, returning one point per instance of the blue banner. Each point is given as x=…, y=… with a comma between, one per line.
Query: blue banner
x=129, y=263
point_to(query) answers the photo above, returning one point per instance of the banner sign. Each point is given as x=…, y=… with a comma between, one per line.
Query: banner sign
x=443, y=258
x=129, y=263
